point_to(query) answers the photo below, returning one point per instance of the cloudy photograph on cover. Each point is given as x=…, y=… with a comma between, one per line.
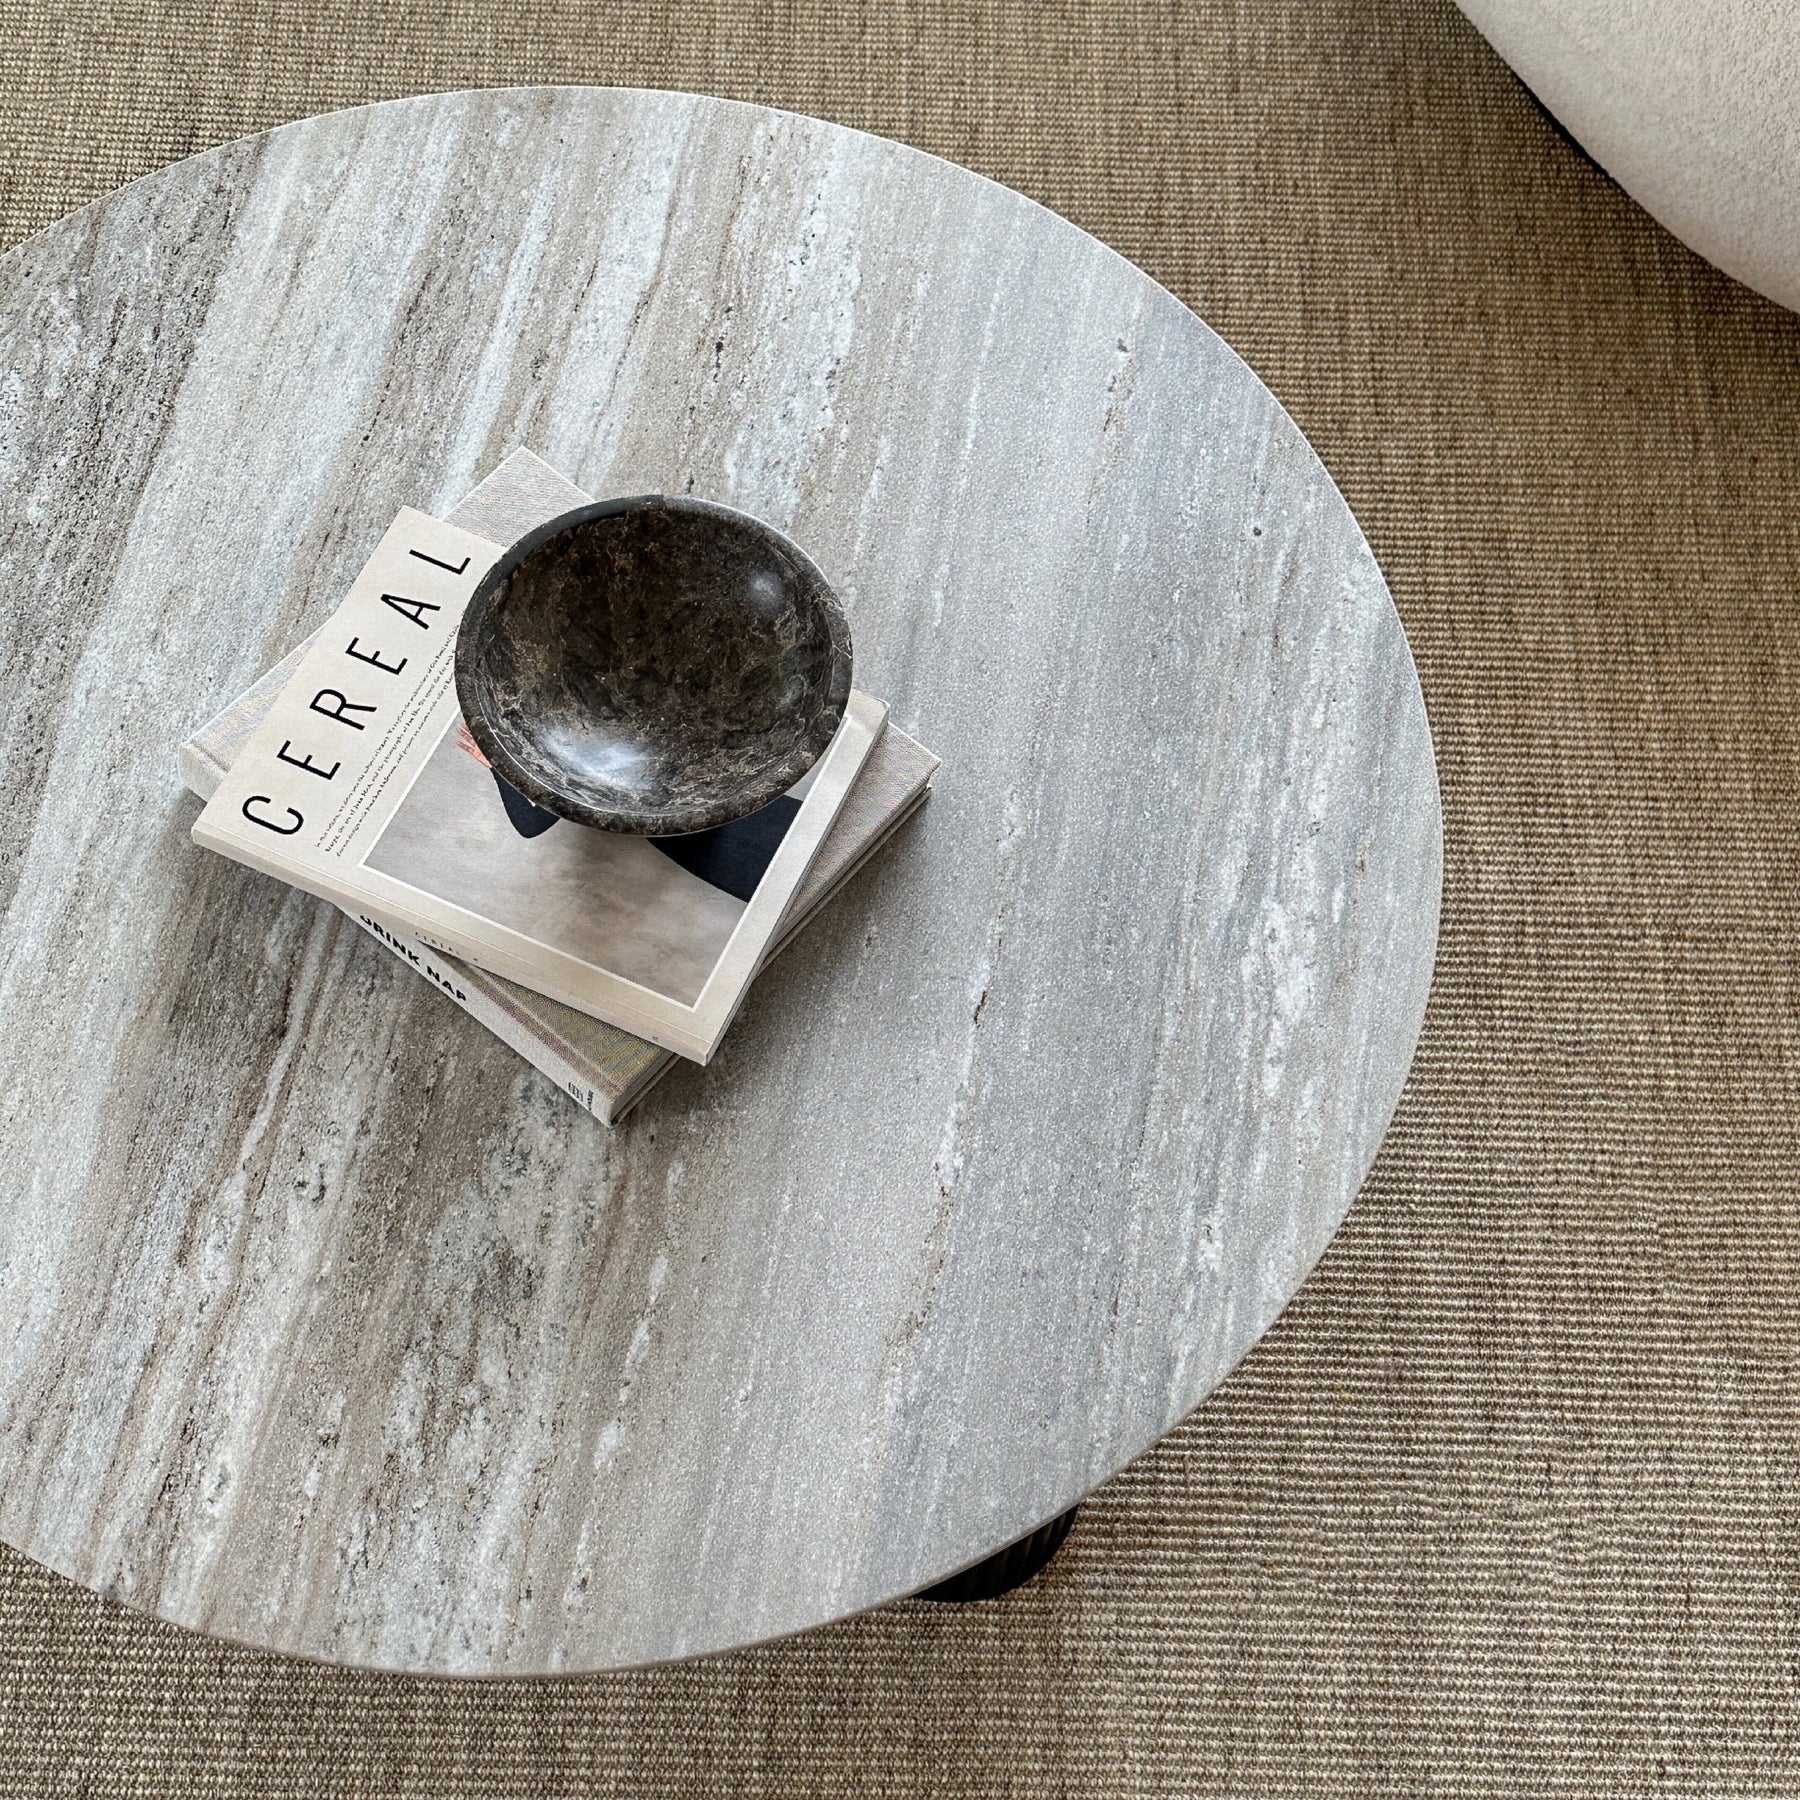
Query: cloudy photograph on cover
x=656, y=912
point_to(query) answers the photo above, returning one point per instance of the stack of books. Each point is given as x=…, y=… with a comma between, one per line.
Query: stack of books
x=346, y=770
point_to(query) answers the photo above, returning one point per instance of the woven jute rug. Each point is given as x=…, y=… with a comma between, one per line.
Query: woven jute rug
x=1507, y=1503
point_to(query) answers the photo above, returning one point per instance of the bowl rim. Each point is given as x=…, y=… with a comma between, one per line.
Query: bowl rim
x=641, y=821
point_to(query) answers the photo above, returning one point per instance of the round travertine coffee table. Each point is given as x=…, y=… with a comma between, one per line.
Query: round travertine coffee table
x=330, y=1326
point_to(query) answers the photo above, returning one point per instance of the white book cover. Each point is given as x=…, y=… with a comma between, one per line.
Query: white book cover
x=362, y=785
x=604, y=1069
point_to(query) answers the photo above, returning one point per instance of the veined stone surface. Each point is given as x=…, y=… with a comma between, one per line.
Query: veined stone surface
x=330, y=1326
x=662, y=669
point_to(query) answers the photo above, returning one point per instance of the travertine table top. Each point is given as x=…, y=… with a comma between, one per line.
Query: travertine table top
x=330, y=1326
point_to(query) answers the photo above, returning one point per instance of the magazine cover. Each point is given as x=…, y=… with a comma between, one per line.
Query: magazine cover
x=603, y=1068
x=362, y=785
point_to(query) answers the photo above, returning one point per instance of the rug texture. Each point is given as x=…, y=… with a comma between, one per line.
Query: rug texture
x=1509, y=1501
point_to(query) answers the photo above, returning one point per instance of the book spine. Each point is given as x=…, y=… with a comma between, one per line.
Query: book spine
x=480, y=1007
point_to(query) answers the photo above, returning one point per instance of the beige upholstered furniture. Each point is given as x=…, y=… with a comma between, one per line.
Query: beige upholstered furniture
x=1693, y=106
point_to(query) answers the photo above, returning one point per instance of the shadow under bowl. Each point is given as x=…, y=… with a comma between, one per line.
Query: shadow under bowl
x=655, y=665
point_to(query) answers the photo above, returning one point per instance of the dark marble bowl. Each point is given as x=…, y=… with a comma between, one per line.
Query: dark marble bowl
x=656, y=665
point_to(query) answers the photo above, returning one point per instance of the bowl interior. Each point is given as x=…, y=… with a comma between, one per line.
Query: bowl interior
x=657, y=665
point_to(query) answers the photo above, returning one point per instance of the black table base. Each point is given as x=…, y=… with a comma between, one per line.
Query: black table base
x=1006, y=1569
